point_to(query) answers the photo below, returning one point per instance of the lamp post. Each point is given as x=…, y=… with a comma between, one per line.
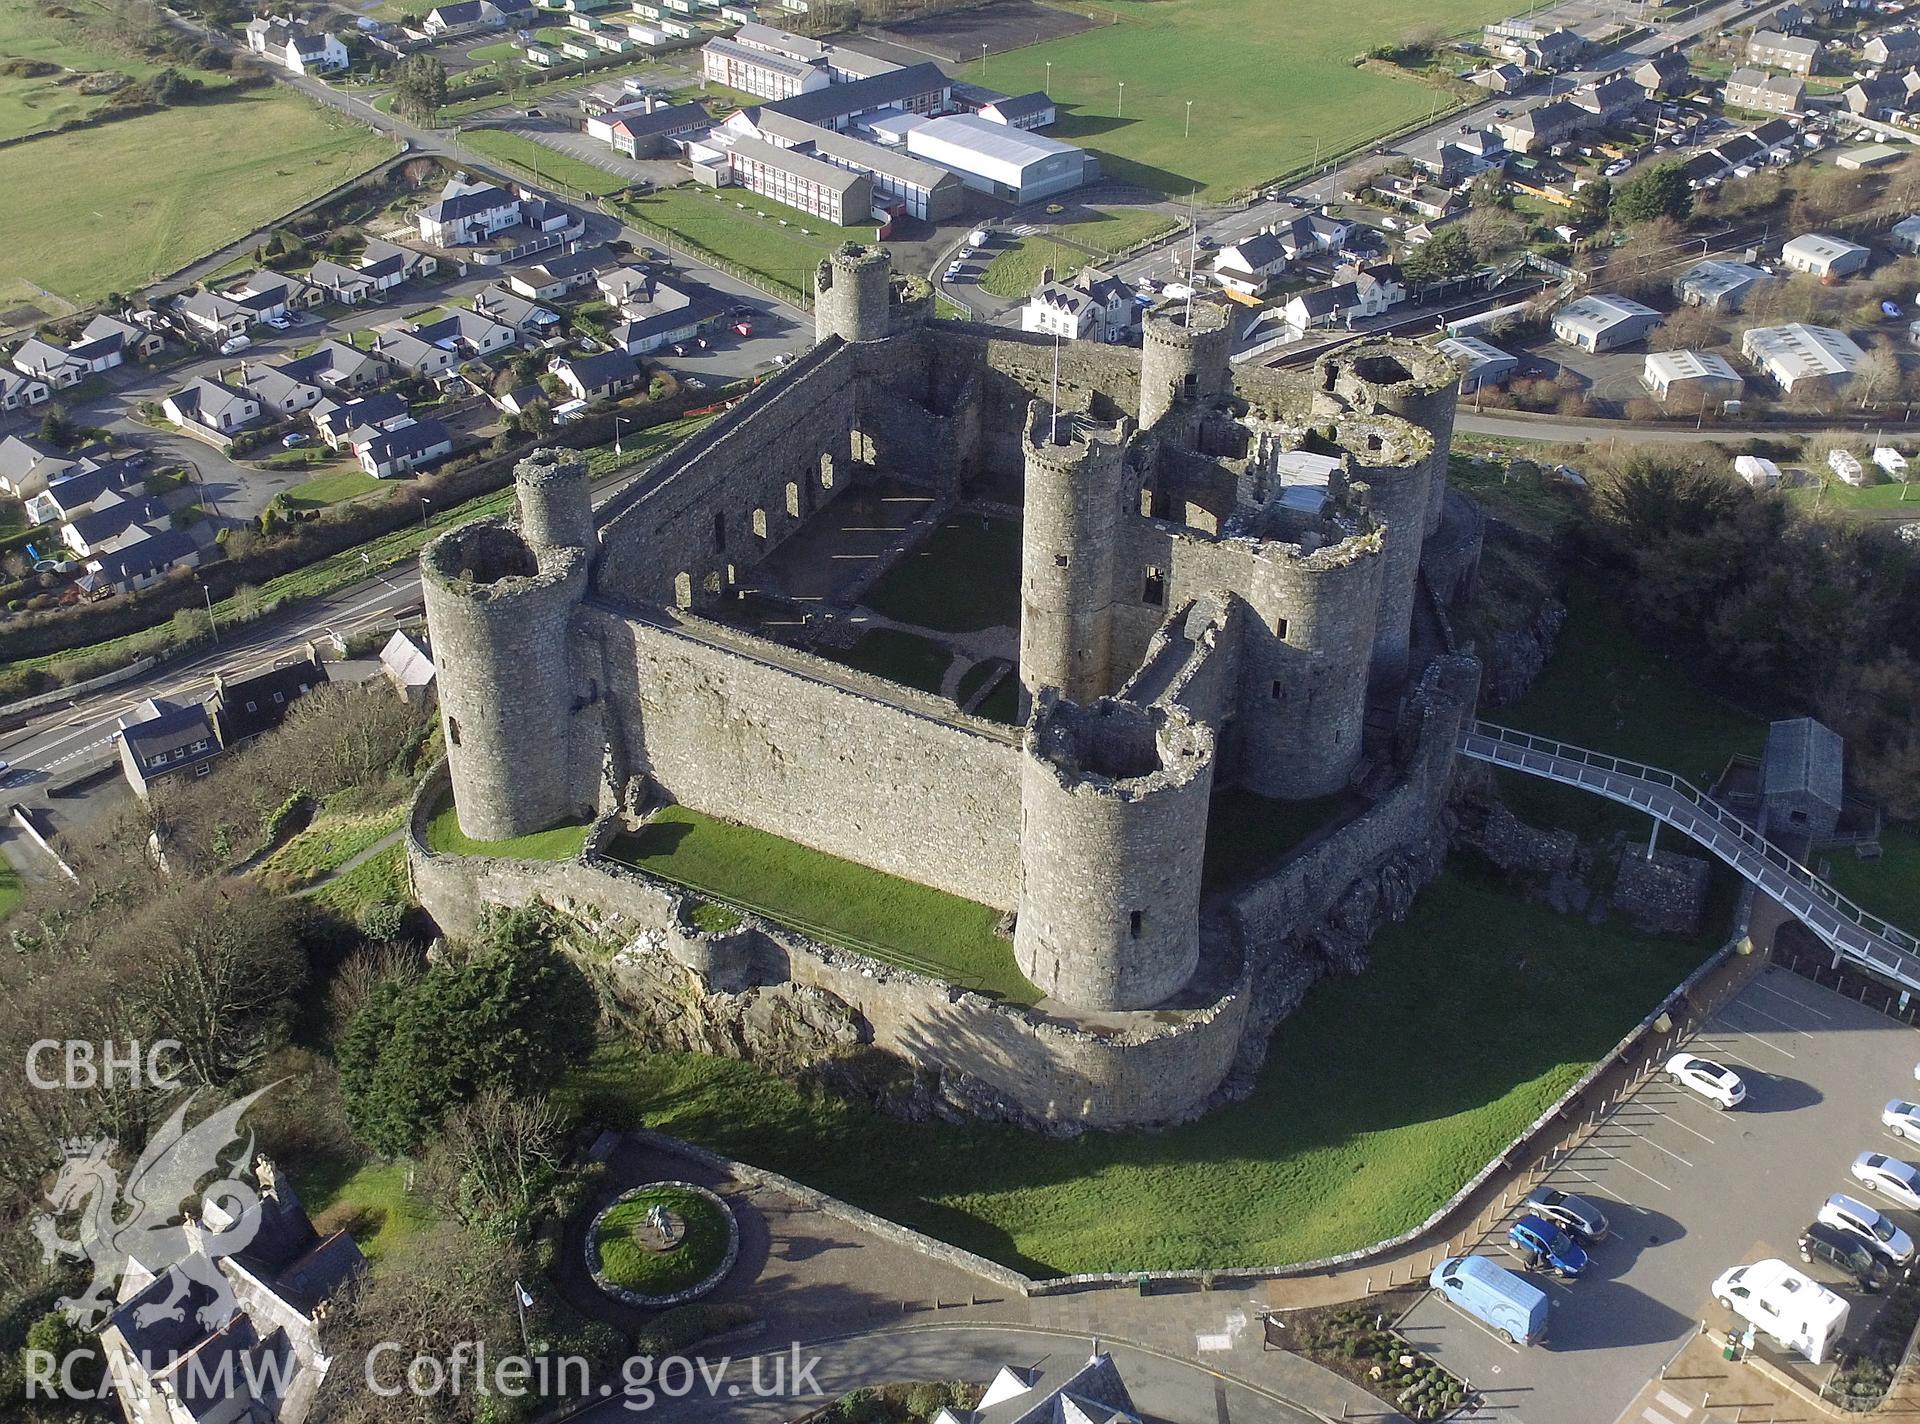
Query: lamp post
x=424, y=502
x=1188, y=131
x=1049, y=76
x=983, y=62
x=616, y=433
x=1121, y=107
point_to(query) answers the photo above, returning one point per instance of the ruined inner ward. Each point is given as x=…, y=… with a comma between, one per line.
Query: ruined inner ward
x=1062, y=629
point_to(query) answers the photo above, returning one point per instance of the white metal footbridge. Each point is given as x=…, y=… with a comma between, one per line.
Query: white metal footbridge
x=1846, y=929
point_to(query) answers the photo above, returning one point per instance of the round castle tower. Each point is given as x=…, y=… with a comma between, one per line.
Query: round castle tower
x=1075, y=473
x=852, y=293
x=1183, y=356
x=1404, y=378
x=1113, y=806
x=499, y=601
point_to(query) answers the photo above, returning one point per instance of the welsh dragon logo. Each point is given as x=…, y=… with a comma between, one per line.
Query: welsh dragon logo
x=143, y=1219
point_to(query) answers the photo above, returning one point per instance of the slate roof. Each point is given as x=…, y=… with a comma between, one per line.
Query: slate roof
x=236, y=722
x=837, y=101
x=601, y=369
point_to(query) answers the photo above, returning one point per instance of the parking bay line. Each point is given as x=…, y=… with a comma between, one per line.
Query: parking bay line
x=1669, y=1117
x=1622, y=1162
x=1797, y=1003
x=1774, y=1018
x=1656, y=1146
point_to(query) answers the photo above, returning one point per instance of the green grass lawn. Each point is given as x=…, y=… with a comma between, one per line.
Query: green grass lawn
x=627, y=1263
x=905, y=658
x=560, y=843
x=1379, y=1099
x=332, y=488
x=555, y=169
x=29, y=104
x=379, y=879
x=1889, y=499
x=1232, y=58
x=832, y=899
x=751, y=235
x=10, y=889
x=370, y=1200
x=963, y=578
x=1890, y=886
x=1248, y=834
x=1015, y=271
x=149, y=180
x=330, y=842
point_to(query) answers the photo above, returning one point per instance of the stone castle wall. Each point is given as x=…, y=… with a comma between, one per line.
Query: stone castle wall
x=831, y=758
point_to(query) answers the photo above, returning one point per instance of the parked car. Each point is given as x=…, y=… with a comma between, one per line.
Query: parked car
x=1852, y=1214
x=1846, y=1252
x=743, y=328
x=235, y=343
x=1797, y=1311
x=1490, y=1293
x=1584, y=1221
x=1897, y=1181
x=1541, y=1243
x=289, y=441
x=1718, y=1085
x=278, y=323
x=1503, y=113
x=1902, y=1119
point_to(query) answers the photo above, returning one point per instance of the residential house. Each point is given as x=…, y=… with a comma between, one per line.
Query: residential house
x=559, y=275
x=336, y=366
x=336, y=420
x=1690, y=376
x=18, y=392
x=28, y=465
x=86, y=485
x=347, y=285
x=1664, y=75
x=652, y=313
x=1324, y=306
x=146, y=555
x=401, y=449
x=1093, y=1394
x=1769, y=93
x=1500, y=78
x=1091, y=305
x=1313, y=235
x=1246, y=265
x=54, y=365
x=295, y=47
x=159, y=739
x=1603, y=322
x=244, y=707
x=408, y=666
x=212, y=405
x=1802, y=359
x=464, y=18
x=599, y=377
x=1554, y=50
x=1892, y=49
x=1875, y=96
x=1610, y=101
x=1481, y=363
x=409, y=353
x=1789, y=19
x=500, y=303
x=278, y=393
x=1788, y=52
x=1823, y=256
x=116, y=525
x=107, y=341
x=469, y=333
x=1719, y=285
x=1906, y=235
x=468, y=213
x=1376, y=287
x=1543, y=125
x=389, y=264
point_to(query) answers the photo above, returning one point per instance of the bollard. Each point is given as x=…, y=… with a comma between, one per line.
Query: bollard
x=1370, y=1278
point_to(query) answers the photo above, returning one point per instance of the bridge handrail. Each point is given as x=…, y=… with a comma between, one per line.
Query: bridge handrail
x=1704, y=804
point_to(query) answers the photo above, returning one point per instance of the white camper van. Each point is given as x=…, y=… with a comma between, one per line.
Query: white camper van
x=1797, y=1311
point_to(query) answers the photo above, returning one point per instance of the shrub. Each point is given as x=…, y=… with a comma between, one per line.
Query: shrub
x=673, y=1331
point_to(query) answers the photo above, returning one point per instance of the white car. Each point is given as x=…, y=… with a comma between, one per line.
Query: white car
x=1720, y=1086
x=1902, y=1119
x=1852, y=1214
x=1897, y=1181
x=278, y=323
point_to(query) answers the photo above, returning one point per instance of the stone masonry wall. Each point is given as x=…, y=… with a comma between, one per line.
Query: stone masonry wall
x=862, y=777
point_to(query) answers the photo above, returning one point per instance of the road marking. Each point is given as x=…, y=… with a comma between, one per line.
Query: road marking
x=1774, y=1018
x=1749, y=1033
x=1631, y=1168
x=1721, y=1051
x=1669, y=1117
x=1677, y=1406
x=1797, y=1003
x=1651, y=1143
x=1654, y=1416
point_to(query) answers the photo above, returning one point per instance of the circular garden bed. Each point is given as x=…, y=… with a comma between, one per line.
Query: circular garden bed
x=630, y=1259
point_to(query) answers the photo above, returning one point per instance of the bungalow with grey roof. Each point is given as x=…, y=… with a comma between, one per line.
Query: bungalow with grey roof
x=413, y=355
x=400, y=449
x=530, y=318
x=335, y=420
x=18, y=392
x=470, y=333
x=601, y=376
x=389, y=264
x=211, y=405
x=348, y=285
x=276, y=390
x=337, y=367
x=55, y=365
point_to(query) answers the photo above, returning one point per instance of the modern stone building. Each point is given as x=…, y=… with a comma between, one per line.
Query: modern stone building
x=1228, y=580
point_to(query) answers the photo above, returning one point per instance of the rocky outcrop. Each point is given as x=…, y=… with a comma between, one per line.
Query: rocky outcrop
x=1515, y=613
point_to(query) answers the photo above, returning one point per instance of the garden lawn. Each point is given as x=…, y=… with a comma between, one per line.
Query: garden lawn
x=380, y=879
x=369, y=1199
x=625, y=1262
x=1015, y=270
x=559, y=843
x=555, y=169
x=10, y=889
x=1889, y=886
x=838, y=901
x=1889, y=499
x=905, y=658
x=330, y=842
x=263, y=151
x=28, y=105
x=1380, y=1098
x=1232, y=58
x=759, y=243
x=331, y=489
x=965, y=577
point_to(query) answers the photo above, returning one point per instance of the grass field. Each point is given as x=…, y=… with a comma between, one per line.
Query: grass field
x=1357, y=1129
x=838, y=901
x=332, y=488
x=330, y=842
x=556, y=169
x=746, y=229
x=1889, y=499
x=1231, y=58
x=148, y=182
x=1889, y=886
x=560, y=843
x=1015, y=270
x=378, y=879
x=964, y=578
x=10, y=890
x=30, y=104
x=368, y=1198
x=905, y=658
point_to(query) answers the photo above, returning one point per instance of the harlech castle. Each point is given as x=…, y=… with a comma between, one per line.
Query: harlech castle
x=1233, y=584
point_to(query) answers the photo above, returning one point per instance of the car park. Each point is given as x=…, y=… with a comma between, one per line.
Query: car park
x=1719, y=1085
x=1796, y=1310
x=1872, y=1225
x=1576, y=1216
x=1542, y=1244
x=1844, y=1251
x=1512, y=1306
x=1897, y=1181
x=1902, y=1119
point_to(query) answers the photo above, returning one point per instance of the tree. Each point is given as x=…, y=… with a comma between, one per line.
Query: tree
x=1638, y=267
x=1448, y=253
x=420, y=86
x=514, y=1013
x=59, y=428
x=535, y=419
x=1661, y=191
x=1593, y=203
x=497, y=1161
x=1688, y=329
x=1877, y=377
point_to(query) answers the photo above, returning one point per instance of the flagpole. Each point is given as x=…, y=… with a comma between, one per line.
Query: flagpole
x=520, y=1299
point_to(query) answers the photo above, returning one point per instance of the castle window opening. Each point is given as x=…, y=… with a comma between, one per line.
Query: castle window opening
x=1134, y=921
x=1059, y=561
x=683, y=590
x=1154, y=589
x=1146, y=503
x=759, y=524
x=793, y=499
x=453, y=730
x=1279, y=627
x=826, y=471
x=1277, y=693
x=719, y=531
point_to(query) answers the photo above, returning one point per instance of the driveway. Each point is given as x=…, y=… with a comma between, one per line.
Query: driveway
x=1690, y=1191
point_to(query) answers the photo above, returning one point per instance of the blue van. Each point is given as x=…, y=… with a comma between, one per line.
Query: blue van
x=1494, y=1295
